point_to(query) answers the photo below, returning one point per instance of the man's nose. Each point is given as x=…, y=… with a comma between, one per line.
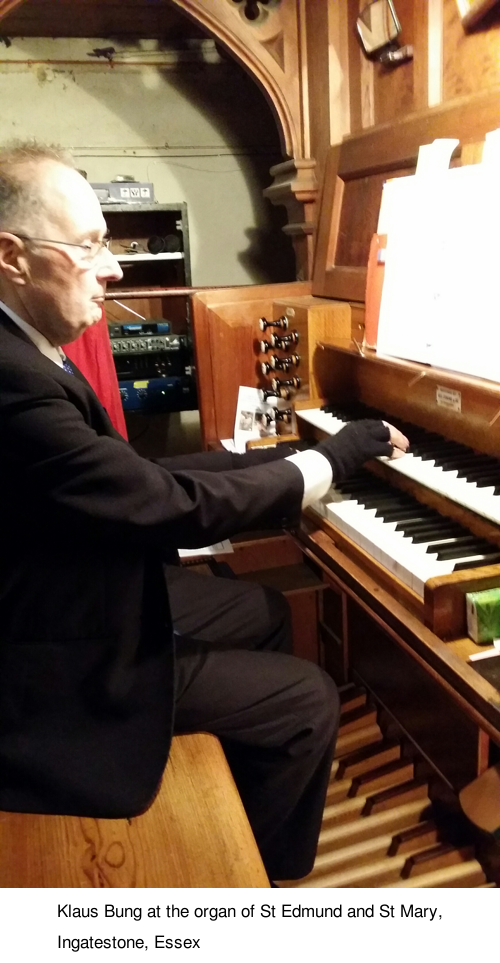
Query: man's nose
x=109, y=268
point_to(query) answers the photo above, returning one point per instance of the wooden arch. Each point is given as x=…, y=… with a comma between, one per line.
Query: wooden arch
x=267, y=37
x=7, y=6
x=272, y=48
x=268, y=47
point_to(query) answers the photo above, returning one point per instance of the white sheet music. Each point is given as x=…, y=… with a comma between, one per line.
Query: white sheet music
x=441, y=296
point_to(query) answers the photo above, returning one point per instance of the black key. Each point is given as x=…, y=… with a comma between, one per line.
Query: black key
x=422, y=520
x=361, y=485
x=488, y=482
x=469, y=551
x=477, y=563
x=403, y=515
x=439, y=446
x=430, y=535
x=480, y=471
x=467, y=544
x=457, y=462
x=383, y=500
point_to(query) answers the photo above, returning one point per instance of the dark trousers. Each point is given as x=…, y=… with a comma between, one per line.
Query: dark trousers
x=276, y=715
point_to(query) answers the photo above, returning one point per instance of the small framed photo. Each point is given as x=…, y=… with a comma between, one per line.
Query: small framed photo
x=472, y=10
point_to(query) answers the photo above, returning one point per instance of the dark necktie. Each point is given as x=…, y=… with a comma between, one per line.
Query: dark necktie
x=67, y=367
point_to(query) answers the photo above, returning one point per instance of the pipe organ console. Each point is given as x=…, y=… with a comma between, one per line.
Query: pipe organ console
x=398, y=545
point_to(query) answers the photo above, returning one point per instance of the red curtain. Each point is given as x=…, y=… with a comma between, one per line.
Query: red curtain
x=92, y=355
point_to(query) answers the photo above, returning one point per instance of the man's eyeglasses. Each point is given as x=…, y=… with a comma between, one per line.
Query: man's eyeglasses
x=91, y=249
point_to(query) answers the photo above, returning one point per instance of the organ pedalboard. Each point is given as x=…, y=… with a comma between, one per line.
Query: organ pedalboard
x=381, y=827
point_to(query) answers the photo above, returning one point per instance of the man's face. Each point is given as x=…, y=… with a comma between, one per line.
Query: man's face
x=61, y=293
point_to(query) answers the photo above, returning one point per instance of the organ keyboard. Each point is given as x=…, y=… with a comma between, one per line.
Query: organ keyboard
x=454, y=470
x=411, y=540
x=415, y=543
x=424, y=523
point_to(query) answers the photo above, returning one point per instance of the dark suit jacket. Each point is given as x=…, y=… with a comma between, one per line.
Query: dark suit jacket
x=86, y=650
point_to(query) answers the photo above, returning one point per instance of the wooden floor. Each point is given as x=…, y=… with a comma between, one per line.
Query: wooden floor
x=379, y=827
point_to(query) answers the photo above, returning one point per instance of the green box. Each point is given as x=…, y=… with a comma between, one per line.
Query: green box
x=483, y=615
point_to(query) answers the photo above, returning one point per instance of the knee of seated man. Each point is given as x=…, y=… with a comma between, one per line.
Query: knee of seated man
x=318, y=702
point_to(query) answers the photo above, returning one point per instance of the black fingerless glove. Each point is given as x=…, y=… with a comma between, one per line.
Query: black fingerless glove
x=355, y=444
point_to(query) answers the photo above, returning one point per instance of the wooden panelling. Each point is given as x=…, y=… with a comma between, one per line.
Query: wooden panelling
x=380, y=94
x=467, y=60
x=394, y=92
x=304, y=608
x=471, y=59
x=260, y=550
x=317, y=321
x=318, y=68
x=355, y=60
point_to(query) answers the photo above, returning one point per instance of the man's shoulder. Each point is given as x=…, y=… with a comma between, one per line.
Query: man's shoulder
x=24, y=370
x=12, y=339
x=18, y=355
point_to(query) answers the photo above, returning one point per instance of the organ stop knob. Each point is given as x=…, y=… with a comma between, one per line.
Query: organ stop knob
x=277, y=414
x=286, y=341
x=279, y=323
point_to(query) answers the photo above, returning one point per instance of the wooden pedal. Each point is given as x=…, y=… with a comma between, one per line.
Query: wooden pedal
x=338, y=789
x=420, y=836
x=462, y=875
x=367, y=759
x=401, y=817
x=352, y=697
x=357, y=718
x=437, y=857
x=376, y=849
x=392, y=774
x=351, y=741
x=344, y=811
x=378, y=873
x=356, y=855
x=406, y=792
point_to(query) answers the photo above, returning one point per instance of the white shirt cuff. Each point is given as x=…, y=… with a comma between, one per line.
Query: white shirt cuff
x=316, y=472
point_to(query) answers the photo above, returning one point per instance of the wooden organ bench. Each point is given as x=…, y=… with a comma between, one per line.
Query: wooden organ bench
x=195, y=834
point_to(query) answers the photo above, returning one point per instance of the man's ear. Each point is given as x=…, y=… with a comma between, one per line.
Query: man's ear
x=13, y=261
